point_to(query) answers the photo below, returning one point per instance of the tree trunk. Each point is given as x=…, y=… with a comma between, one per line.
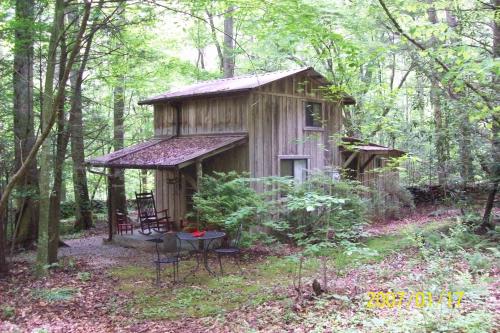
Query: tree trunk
x=83, y=204
x=118, y=143
x=62, y=138
x=215, y=40
x=82, y=200
x=4, y=268
x=46, y=252
x=464, y=125
x=440, y=138
x=24, y=136
x=228, y=50
x=464, y=147
x=45, y=238
x=144, y=179
x=495, y=140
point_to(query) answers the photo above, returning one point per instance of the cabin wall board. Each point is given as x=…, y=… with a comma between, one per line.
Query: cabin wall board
x=214, y=115
x=167, y=193
x=235, y=159
x=203, y=116
x=165, y=116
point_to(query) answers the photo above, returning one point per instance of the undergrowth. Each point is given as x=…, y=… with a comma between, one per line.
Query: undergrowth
x=436, y=257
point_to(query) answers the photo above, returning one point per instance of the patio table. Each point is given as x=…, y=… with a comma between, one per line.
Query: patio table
x=206, y=240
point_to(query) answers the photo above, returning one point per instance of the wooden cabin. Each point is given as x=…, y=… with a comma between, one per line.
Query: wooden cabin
x=279, y=123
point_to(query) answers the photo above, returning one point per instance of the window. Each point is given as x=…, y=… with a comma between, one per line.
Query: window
x=313, y=114
x=378, y=162
x=295, y=168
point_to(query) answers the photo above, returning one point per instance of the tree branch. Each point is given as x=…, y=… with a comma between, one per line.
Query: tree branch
x=421, y=47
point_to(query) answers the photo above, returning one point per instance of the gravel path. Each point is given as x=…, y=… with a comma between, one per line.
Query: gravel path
x=97, y=253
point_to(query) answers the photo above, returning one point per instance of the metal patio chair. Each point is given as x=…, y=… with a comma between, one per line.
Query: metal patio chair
x=172, y=259
x=233, y=249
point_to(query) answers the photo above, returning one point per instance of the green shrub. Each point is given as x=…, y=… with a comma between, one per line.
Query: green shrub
x=478, y=263
x=456, y=238
x=84, y=276
x=8, y=312
x=319, y=212
x=67, y=209
x=226, y=200
x=390, y=199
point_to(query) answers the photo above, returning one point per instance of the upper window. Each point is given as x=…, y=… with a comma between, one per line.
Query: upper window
x=313, y=114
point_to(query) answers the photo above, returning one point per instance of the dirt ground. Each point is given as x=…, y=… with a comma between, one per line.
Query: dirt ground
x=97, y=305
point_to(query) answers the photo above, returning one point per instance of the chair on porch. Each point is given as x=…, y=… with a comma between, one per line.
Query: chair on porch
x=232, y=250
x=123, y=223
x=148, y=215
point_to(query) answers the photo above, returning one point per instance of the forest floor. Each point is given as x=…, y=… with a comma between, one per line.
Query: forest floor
x=98, y=287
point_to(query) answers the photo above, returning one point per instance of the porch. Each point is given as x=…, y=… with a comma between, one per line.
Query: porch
x=179, y=162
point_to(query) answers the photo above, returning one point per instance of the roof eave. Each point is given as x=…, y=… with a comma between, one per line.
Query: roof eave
x=348, y=100
x=152, y=101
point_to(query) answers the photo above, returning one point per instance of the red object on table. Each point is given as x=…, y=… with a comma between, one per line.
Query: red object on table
x=197, y=233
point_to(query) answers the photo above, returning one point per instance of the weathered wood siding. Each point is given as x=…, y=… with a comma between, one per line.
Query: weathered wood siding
x=215, y=115
x=374, y=178
x=167, y=193
x=165, y=117
x=235, y=159
x=277, y=128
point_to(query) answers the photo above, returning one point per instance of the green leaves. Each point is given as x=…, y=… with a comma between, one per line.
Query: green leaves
x=227, y=200
x=319, y=213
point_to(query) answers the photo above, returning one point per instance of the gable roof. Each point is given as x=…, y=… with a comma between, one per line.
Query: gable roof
x=234, y=84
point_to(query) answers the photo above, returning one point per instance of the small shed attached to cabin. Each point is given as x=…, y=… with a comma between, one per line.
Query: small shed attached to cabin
x=364, y=160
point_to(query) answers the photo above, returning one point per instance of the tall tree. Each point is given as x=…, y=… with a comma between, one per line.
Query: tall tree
x=46, y=253
x=81, y=192
x=61, y=140
x=228, y=55
x=4, y=269
x=47, y=240
x=464, y=125
x=435, y=98
x=494, y=169
x=24, y=136
x=120, y=202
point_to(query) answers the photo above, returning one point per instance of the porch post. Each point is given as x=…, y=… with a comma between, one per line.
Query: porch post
x=111, y=203
x=199, y=174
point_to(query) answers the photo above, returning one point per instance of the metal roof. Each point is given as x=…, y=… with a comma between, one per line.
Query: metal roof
x=170, y=152
x=233, y=84
x=357, y=144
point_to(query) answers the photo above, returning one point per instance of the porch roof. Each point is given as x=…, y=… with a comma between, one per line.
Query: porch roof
x=168, y=152
x=368, y=147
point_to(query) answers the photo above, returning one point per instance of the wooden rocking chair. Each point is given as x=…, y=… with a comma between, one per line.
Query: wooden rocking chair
x=148, y=215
